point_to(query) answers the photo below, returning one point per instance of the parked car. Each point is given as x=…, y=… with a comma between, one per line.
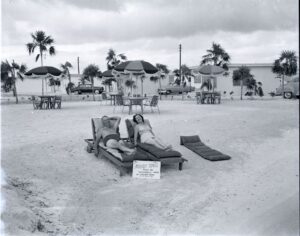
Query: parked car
x=175, y=90
x=291, y=88
x=86, y=88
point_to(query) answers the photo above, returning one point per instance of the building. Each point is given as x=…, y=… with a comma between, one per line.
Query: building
x=262, y=73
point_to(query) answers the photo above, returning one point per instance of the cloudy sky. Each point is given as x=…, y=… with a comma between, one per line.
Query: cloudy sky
x=251, y=31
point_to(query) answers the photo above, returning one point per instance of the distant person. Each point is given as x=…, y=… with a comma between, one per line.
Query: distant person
x=260, y=90
x=110, y=136
x=146, y=134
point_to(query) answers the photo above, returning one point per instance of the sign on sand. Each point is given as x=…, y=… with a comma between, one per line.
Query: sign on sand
x=146, y=169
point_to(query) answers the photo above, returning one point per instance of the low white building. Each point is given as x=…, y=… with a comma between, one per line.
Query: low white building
x=262, y=73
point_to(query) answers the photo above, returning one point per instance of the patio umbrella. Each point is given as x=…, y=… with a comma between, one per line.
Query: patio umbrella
x=137, y=68
x=210, y=70
x=44, y=71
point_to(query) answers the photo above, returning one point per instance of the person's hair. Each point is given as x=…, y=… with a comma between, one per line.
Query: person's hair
x=134, y=118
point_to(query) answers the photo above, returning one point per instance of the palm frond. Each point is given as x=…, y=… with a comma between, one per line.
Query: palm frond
x=20, y=76
x=48, y=40
x=40, y=36
x=37, y=57
x=52, y=51
x=23, y=68
x=15, y=65
x=30, y=47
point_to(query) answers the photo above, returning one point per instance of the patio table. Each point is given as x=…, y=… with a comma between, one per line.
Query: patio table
x=46, y=99
x=138, y=101
x=113, y=98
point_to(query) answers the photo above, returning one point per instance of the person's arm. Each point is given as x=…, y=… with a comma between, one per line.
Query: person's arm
x=117, y=123
x=136, y=132
x=97, y=140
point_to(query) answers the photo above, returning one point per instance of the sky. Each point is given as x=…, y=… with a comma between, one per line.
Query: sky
x=250, y=31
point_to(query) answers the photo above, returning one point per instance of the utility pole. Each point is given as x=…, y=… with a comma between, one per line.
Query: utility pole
x=180, y=62
x=78, y=65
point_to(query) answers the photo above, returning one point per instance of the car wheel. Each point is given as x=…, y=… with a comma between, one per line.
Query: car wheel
x=169, y=92
x=288, y=95
x=79, y=92
x=97, y=91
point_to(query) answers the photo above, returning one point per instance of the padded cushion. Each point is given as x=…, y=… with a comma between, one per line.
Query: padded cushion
x=189, y=139
x=157, y=152
x=194, y=143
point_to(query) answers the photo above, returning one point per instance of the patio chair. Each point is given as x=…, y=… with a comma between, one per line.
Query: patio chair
x=196, y=145
x=120, y=159
x=36, y=102
x=56, y=102
x=156, y=154
x=104, y=97
x=120, y=102
x=153, y=103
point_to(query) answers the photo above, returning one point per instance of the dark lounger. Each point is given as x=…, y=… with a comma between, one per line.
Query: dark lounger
x=194, y=143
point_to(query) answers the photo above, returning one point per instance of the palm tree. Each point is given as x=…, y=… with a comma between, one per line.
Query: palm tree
x=66, y=73
x=92, y=71
x=218, y=56
x=42, y=42
x=162, y=71
x=113, y=59
x=243, y=75
x=10, y=73
x=285, y=65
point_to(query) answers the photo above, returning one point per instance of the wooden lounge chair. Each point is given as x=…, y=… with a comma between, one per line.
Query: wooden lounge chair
x=121, y=160
x=196, y=145
x=156, y=154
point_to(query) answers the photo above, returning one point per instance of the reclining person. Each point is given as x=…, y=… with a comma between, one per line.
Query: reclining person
x=146, y=134
x=111, y=138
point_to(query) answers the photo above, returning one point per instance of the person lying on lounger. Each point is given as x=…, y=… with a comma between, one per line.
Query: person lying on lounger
x=110, y=136
x=146, y=134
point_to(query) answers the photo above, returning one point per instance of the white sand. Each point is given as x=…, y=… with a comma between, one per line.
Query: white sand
x=53, y=185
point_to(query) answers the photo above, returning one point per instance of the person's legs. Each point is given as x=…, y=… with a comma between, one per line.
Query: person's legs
x=112, y=143
x=157, y=143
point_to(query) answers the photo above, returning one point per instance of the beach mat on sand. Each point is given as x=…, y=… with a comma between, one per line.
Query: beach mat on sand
x=194, y=144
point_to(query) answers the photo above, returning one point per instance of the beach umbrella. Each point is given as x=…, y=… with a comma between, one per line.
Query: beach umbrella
x=136, y=68
x=43, y=72
x=209, y=70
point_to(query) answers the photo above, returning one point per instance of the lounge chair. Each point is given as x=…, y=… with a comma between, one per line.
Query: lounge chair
x=194, y=144
x=156, y=154
x=121, y=160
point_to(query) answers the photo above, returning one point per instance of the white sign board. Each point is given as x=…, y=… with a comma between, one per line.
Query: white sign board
x=146, y=169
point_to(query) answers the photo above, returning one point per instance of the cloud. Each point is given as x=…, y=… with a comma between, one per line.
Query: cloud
x=250, y=31
x=93, y=21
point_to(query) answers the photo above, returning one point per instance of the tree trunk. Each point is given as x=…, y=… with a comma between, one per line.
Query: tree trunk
x=15, y=93
x=92, y=80
x=283, y=86
x=159, y=86
x=242, y=89
x=41, y=55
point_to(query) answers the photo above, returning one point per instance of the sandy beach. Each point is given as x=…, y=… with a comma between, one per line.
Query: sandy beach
x=52, y=185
